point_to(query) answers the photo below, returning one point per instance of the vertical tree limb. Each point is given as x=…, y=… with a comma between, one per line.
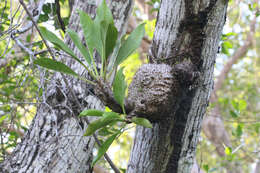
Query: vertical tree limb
x=184, y=30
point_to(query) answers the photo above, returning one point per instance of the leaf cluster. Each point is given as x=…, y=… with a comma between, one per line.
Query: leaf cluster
x=101, y=37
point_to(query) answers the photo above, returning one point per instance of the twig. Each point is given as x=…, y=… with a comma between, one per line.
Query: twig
x=20, y=44
x=62, y=25
x=66, y=82
x=35, y=17
x=35, y=24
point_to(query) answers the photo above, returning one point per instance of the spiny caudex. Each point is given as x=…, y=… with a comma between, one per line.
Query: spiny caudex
x=156, y=87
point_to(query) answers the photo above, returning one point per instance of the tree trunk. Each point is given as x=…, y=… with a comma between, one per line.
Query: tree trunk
x=55, y=141
x=184, y=30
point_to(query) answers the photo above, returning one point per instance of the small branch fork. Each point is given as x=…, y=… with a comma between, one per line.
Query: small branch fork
x=66, y=82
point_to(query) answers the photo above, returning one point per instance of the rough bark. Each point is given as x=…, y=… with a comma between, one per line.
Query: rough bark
x=184, y=30
x=55, y=141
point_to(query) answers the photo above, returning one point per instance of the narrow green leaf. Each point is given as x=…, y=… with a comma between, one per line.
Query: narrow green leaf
x=105, y=131
x=104, y=13
x=111, y=39
x=131, y=44
x=104, y=147
x=142, y=121
x=119, y=87
x=239, y=130
x=76, y=40
x=54, y=65
x=48, y=35
x=91, y=32
x=114, y=56
x=91, y=112
x=108, y=117
x=103, y=19
x=2, y=118
x=103, y=26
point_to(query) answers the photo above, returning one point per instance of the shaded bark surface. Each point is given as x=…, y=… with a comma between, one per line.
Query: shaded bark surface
x=184, y=30
x=55, y=141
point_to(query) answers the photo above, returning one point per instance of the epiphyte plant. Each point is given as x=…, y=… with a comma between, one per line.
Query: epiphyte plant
x=101, y=37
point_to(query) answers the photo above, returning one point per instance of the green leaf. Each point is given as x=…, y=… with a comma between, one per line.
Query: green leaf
x=114, y=56
x=103, y=27
x=239, y=130
x=103, y=19
x=250, y=7
x=105, y=131
x=257, y=13
x=2, y=118
x=104, y=14
x=233, y=114
x=228, y=44
x=48, y=35
x=43, y=18
x=242, y=105
x=76, y=40
x=119, y=87
x=206, y=167
x=46, y=8
x=104, y=147
x=91, y=32
x=54, y=65
x=235, y=105
x=108, y=117
x=142, y=121
x=230, y=34
x=131, y=44
x=111, y=39
x=224, y=50
x=228, y=151
x=91, y=112
x=257, y=127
